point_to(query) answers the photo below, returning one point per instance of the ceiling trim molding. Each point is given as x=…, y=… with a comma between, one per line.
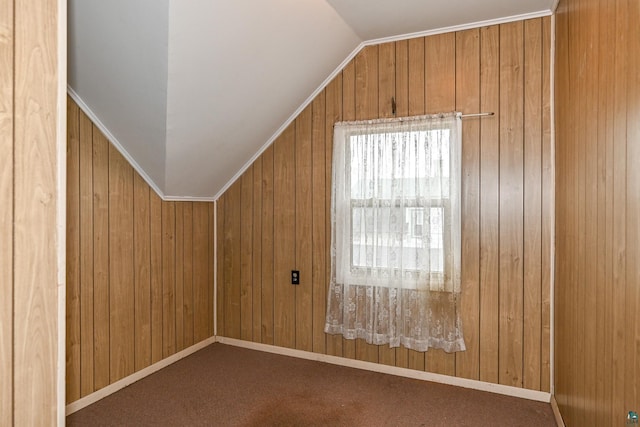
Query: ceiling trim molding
x=188, y=199
x=352, y=55
x=472, y=25
x=114, y=141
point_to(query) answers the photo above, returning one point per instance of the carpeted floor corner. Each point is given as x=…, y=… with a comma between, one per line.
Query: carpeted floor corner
x=222, y=385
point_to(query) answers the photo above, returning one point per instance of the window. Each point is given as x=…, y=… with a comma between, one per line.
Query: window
x=395, y=243
x=397, y=193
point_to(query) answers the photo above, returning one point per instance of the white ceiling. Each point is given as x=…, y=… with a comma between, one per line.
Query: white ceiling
x=191, y=91
x=117, y=64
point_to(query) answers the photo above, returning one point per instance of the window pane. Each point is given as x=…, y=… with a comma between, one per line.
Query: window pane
x=403, y=238
x=436, y=238
x=375, y=236
x=382, y=163
x=398, y=189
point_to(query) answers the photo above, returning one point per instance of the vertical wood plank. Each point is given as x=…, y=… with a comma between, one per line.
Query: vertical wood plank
x=386, y=78
x=620, y=320
x=604, y=315
x=303, y=231
x=232, y=261
x=256, y=285
x=402, y=110
x=386, y=90
x=187, y=294
x=579, y=237
x=179, y=280
x=439, y=95
x=246, y=255
x=632, y=337
x=402, y=76
x=142, y=271
x=348, y=114
x=417, y=68
x=155, y=229
x=440, y=62
x=201, y=272
x=511, y=202
x=366, y=89
x=366, y=99
x=267, y=248
x=35, y=294
x=440, y=71
x=590, y=127
x=489, y=203
x=73, y=292
x=101, y=335
x=211, y=283
x=121, y=269
x=86, y=251
x=532, y=203
x=220, y=217
x=6, y=210
x=168, y=278
x=468, y=100
x=565, y=246
x=284, y=244
x=564, y=92
x=318, y=232
x=574, y=232
x=547, y=209
x=416, y=106
x=333, y=113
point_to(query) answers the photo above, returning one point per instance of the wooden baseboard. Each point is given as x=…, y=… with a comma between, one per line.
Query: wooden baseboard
x=556, y=412
x=136, y=376
x=539, y=396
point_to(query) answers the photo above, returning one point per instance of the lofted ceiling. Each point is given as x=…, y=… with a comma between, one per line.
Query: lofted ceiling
x=192, y=91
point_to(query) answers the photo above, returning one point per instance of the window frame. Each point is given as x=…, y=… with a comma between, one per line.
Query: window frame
x=437, y=279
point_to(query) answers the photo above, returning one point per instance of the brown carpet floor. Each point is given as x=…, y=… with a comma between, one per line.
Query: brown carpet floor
x=223, y=385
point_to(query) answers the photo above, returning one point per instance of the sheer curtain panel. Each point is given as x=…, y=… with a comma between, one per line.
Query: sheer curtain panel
x=395, y=242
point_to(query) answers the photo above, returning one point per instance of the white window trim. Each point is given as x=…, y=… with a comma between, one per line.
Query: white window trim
x=343, y=206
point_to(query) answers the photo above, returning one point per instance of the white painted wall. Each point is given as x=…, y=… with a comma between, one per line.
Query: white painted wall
x=117, y=64
x=237, y=70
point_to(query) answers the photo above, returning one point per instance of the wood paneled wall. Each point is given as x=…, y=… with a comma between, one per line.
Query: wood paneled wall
x=139, y=269
x=276, y=217
x=597, y=291
x=29, y=240
x=6, y=212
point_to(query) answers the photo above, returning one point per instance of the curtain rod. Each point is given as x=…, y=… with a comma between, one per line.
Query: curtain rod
x=477, y=115
x=462, y=116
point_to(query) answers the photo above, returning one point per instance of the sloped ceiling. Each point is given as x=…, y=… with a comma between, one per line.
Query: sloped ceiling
x=191, y=91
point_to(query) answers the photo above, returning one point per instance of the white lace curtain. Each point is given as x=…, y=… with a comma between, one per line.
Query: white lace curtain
x=395, y=244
